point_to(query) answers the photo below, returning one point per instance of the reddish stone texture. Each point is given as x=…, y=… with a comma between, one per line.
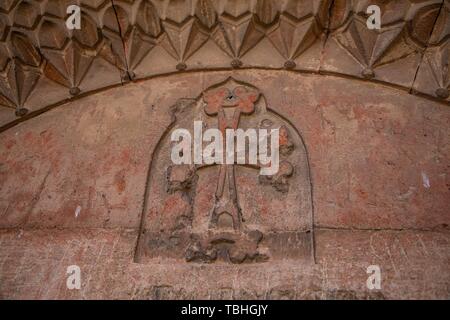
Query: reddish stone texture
x=33, y=264
x=72, y=186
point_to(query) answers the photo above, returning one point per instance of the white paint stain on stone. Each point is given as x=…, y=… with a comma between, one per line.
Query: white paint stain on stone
x=77, y=211
x=425, y=180
x=20, y=234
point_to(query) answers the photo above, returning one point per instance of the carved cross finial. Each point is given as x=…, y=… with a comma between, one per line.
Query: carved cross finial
x=239, y=99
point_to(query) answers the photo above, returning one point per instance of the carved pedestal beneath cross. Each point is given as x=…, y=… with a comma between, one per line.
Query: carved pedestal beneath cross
x=228, y=212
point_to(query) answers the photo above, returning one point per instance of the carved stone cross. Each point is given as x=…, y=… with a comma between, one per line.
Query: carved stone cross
x=228, y=103
x=183, y=218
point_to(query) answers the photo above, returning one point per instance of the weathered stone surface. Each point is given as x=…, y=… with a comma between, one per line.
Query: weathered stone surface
x=414, y=265
x=86, y=177
x=73, y=183
x=378, y=156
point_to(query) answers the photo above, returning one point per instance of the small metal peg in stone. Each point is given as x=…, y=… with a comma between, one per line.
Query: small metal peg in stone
x=289, y=64
x=128, y=76
x=20, y=112
x=236, y=63
x=181, y=66
x=74, y=91
x=442, y=93
x=368, y=73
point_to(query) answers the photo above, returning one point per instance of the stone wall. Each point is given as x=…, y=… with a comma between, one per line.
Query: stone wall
x=74, y=182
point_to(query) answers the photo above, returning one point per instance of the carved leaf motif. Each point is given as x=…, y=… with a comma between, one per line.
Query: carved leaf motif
x=438, y=60
x=266, y=11
x=4, y=58
x=71, y=62
x=253, y=35
x=116, y=19
x=52, y=35
x=26, y=78
x=340, y=14
x=113, y=49
x=107, y=53
x=7, y=5
x=177, y=10
x=291, y=38
x=197, y=37
x=280, y=181
x=369, y=47
x=138, y=47
x=237, y=8
x=442, y=26
x=180, y=178
x=53, y=74
x=26, y=14
x=17, y=81
x=147, y=18
x=392, y=48
x=24, y=50
x=206, y=13
x=57, y=7
x=88, y=35
x=8, y=84
x=91, y=3
x=2, y=27
x=423, y=23
x=4, y=102
x=230, y=35
x=220, y=37
x=299, y=9
x=185, y=40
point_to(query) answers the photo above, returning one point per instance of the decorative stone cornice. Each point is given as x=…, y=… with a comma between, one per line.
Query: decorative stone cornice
x=42, y=63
